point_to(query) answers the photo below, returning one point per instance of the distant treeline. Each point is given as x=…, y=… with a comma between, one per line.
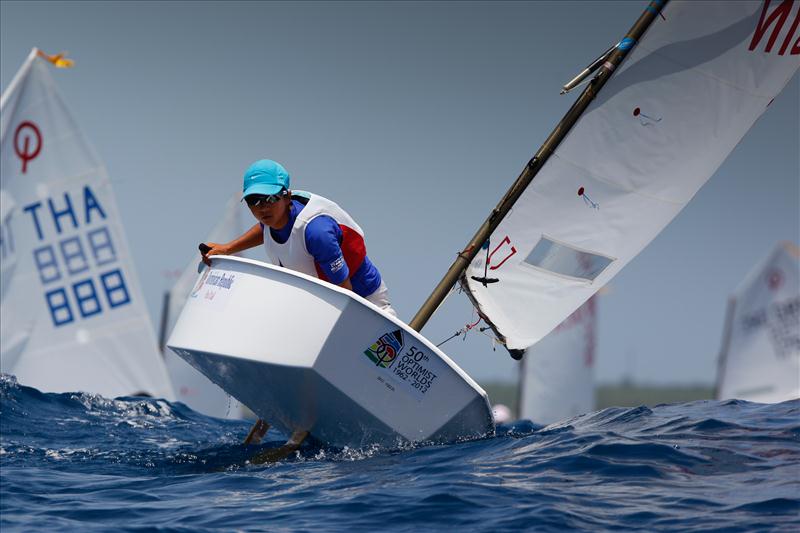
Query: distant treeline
x=616, y=395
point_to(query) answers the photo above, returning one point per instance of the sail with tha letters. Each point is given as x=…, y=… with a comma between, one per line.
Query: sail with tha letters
x=73, y=317
x=760, y=356
x=653, y=134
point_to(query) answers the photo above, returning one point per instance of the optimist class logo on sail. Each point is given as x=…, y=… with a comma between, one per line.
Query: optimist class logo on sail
x=22, y=143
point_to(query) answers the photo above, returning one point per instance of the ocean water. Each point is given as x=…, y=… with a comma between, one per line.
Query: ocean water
x=80, y=462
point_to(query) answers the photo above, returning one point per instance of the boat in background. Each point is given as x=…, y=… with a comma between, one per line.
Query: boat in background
x=191, y=387
x=306, y=355
x=556, y=378
x=760, y=356
x=73, y=316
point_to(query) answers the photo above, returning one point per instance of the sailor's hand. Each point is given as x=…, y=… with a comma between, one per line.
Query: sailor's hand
x=207, y=249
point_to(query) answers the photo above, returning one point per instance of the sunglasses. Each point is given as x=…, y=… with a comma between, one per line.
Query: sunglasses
x=255, y=200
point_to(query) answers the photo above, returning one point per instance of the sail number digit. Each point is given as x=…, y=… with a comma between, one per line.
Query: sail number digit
x=76, y=270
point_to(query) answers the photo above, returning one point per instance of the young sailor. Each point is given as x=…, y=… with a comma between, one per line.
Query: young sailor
x=305, y=232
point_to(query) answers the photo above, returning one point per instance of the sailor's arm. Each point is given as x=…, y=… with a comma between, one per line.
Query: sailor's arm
x=249, y=239
x=322, y=237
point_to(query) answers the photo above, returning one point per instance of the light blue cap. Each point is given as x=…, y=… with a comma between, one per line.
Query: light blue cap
x=265, y=176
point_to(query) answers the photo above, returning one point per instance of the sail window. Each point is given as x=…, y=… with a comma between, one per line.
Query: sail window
x=565, y=260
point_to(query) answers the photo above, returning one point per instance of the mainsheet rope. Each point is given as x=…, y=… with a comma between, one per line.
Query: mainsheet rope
x=463, y=330
x=467, y=327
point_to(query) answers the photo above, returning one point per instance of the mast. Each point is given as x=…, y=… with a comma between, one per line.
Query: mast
x=523, y=363
x=726, y=344
x=561, y=130
x=162, y=329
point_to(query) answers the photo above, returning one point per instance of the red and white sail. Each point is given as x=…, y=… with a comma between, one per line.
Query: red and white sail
x=658, y=130
x=73, y=316
x=557, y=374
x=760, y=357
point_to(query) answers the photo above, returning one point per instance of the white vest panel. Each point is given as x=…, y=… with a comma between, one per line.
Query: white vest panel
x=293, y=253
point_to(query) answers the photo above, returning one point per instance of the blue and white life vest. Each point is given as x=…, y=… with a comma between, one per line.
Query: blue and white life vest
x=293, y=253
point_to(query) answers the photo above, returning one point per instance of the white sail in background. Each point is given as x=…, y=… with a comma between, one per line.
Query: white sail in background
x=760, y=357
x=12, y=341
x=192, y=387
x=657, y=131
x=8, y=252
x=73, y=317
x=557, y=374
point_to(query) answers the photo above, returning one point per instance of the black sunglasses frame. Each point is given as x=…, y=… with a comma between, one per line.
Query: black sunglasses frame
x=255, y=200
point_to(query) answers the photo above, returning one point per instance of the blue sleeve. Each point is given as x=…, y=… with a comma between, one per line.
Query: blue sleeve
x=323, y=236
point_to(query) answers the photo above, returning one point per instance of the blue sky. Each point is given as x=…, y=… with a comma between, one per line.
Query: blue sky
x=413, y=116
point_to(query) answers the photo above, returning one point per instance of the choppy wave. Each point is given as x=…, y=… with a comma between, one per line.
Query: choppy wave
x=76, y=461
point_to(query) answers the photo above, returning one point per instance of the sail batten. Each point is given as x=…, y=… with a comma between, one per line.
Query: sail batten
x=656, y=132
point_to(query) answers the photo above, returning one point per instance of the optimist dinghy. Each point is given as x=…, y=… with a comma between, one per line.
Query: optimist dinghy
x=305, y=355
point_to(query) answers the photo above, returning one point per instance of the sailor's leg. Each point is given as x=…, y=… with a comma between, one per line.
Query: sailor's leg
x=380, y=297
x=257, y=432
x=276, y=454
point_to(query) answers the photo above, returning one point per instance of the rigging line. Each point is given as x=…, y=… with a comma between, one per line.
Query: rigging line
x=494, y=338
x=461, y=331
x=451, y=291
x=455, y=288
x=451, y=337
x=467, y=327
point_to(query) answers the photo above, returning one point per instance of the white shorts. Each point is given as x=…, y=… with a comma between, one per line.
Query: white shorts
x=380, y=297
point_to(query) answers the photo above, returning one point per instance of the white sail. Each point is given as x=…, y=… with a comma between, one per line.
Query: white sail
x=73, y=317
x=8, y=252
x=657, y=131
x=192, y=387
x=760, y=358
x=557, y=374
x=12, y=341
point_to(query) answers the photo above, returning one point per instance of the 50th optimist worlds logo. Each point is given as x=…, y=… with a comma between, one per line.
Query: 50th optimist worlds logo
x=384, y=351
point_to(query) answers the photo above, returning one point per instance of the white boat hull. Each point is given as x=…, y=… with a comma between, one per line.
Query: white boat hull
x=306, y=355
